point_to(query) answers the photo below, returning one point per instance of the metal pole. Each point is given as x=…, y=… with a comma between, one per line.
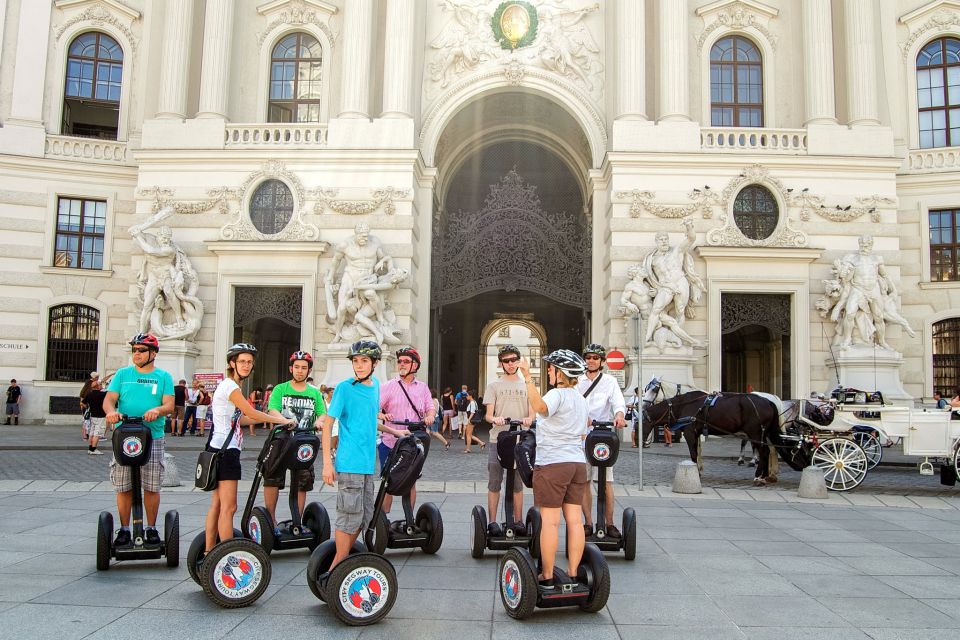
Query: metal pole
x=639, y=409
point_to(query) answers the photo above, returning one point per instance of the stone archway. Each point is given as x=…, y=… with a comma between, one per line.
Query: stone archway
x=756, y=343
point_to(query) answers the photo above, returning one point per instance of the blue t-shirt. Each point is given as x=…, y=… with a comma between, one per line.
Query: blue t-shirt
x=140, y=392
x=356, y=407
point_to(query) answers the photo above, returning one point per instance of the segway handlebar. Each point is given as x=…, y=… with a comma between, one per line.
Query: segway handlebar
x=601, y=423
x=125, y=419
x=412, y=425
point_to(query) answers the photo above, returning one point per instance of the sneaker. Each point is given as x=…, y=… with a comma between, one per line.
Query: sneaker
x=519, y=529
x=95, y=452
x=153, y=537
x=494, y=530
x=613, y=532
x=122, y=539
x=588, y=530
x=548, y=584
x=398, y=526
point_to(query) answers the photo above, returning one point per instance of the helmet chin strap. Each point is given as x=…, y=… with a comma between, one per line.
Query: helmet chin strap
x=364, y=378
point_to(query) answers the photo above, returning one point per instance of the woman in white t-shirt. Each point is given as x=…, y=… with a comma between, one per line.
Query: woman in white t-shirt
x=560, y=475
x=231, y=412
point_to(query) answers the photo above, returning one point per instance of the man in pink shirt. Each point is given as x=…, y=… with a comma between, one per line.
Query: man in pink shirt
x=403, y=398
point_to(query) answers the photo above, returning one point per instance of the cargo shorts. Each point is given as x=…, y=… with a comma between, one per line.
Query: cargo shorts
x=151, y=474
x=355, y=498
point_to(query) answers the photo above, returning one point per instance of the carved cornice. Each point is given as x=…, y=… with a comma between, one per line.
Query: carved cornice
x=946, y=19
x=737, y=15
x=383, y=197
x=296, y=13
x=100, y=14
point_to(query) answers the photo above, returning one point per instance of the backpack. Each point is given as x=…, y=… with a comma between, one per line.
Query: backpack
x=462, y=403
x=404, y=465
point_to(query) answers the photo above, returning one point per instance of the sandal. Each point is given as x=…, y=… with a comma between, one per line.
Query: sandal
x=446, y=447
x=466, y=450
x=483, y=445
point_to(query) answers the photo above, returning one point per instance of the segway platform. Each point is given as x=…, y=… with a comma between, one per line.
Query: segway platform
x=521, y=593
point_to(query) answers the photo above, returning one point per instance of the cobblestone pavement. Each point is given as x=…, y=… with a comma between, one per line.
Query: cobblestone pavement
x=58, y=453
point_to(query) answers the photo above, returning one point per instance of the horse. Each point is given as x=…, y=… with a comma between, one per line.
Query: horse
x=745, y=415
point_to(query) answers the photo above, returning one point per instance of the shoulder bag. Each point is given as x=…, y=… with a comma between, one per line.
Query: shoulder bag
x=208, y=462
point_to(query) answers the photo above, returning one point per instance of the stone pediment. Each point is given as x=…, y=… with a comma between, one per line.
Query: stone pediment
x=296, y=7
x=98, y=13
x=918, y=16
x=932, y=18
x=113, y=6
x=739, y=15
x=284, y=13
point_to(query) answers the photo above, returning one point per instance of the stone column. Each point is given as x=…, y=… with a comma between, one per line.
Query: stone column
x=631, y=61
x=861, y=37
x=175, y=56
x=818, y=62
x=3, y=21
x=30, y=63
x=674, y=93
x=355, y=89
x=398, y=59
x=215, y=73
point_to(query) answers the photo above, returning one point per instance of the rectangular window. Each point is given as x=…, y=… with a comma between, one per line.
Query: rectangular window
x=944, y=244
x=81, y=227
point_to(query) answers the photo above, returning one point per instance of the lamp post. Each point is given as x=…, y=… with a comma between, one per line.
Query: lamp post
x=639, y=409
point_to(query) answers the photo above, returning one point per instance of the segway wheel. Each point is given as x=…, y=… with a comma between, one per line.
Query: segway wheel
x=430, y=520
x=260, y=528
x=236, y=573
x=362, y=589
x=196, y=553
x=377, y=536
x=171, y=538
x=594, y=565
x=629, y=531
x=518, y=584
x=534, y=524
x=478, y=533
x=104, y=541
x=319, y=564
x=315, y=516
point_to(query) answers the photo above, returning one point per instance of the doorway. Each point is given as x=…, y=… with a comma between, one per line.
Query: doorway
x=756, y=343
x=270, y=319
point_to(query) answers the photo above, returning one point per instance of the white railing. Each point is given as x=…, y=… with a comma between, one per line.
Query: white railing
x=941, y=159
x=92, y=149
x=245, y=136
x=754, y=139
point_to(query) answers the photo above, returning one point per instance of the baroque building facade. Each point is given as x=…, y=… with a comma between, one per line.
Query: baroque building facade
x=206, y=168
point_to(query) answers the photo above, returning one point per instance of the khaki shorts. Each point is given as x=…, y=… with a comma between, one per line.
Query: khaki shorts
x=98, y=427
x=592, y=475
x=555, y=485
x=355, y=498
x=151, y=474
x=496, y=473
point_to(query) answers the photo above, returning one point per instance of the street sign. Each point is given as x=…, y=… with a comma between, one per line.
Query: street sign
x=615, y=360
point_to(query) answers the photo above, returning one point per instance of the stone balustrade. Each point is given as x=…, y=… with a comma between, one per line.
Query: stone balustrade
x=92, y=149
x=250, y=136
x=750, y=139
x=927, y=160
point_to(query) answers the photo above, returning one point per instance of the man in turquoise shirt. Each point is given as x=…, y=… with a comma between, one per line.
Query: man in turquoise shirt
x=141, y=390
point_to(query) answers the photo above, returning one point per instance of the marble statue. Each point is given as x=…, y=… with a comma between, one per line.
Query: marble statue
x=671, y=283
x=356, y=304
x=167, y=283
x=460, y=44
x=861, y=298
x=567, y=48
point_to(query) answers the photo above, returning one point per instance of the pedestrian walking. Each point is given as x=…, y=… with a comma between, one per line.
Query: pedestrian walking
x=13, y=402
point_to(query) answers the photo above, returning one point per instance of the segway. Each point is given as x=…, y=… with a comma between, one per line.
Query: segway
x=294, y=450
x=362, y=588
x=131, y=448
x=425, y=531
x=509, y=533
x=602, y=446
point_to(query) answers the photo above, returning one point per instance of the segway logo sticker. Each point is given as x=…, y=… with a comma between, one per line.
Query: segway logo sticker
x=237, y=575
x=601, y=452
x=254, y=528
x=510, y=584
x=305, y=453
x=364, y=591
x=132, y=446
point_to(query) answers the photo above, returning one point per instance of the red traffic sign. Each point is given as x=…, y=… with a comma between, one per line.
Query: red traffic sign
x=616, y=360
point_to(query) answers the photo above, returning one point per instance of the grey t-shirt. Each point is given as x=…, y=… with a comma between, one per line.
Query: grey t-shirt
x=509, y=400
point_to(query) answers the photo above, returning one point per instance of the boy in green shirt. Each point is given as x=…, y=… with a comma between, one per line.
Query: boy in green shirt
x=306, y=404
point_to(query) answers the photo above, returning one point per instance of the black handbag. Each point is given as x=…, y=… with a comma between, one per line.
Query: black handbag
x=208, y=462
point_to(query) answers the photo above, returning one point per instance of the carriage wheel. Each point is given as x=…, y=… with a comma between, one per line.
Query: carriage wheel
x=843, y=462
x=870, y=444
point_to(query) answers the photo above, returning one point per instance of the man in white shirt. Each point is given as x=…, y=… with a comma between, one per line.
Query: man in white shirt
x=604, y=403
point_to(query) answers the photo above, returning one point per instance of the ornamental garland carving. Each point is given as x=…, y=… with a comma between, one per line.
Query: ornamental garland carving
x=298, y=13
x=383, y=197
x=943, y=20
x=99, y=15
x=738, y=16
x=163, y=197
x=810, y=204
x=703, y=202
x=241, y=228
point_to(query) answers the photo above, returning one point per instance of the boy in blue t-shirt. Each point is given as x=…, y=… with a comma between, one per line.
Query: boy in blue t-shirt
x=356, y=404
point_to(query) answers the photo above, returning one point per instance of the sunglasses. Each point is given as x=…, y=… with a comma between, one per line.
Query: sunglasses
x=592, y=357
x=510, y=360
x=404, y=361
x=139, y=350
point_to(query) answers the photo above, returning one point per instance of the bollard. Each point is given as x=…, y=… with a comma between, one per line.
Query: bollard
x=812, y=484
x=170, y=475
x=687, y=478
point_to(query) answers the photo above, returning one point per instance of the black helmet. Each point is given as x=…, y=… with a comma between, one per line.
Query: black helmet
x=367, y=348
x=567, y=361
x=507, y=348
x=597, y=349
x=240, y=347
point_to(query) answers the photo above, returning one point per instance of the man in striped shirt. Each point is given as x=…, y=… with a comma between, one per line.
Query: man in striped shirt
x=403, y=398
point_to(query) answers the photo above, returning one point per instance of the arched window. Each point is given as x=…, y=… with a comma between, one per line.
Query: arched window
x=296, y=75
x=946, y=356
x=73, y=334
x=271, y=207
x=736, y=83
x=91, y=97
x=755, y=212
x=938, y=93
